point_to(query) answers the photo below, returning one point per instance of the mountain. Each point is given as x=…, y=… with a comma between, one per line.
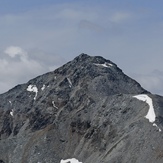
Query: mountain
x=86, y=111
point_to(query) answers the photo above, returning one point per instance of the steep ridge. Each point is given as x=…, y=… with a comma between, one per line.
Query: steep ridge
x=88, y=110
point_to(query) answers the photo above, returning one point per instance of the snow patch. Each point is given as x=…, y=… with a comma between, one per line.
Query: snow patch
x=154, y=124
x=72, y=160
x=43, y=87
x=104, y=64
x=54, y=105
x=70, y=83
x=151, y=116
x=33, y=88
x=12, y=112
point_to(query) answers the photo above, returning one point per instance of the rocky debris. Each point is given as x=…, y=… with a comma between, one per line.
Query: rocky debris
x=86, y=111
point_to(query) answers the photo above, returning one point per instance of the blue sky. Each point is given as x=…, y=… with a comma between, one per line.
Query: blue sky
x=37, y=36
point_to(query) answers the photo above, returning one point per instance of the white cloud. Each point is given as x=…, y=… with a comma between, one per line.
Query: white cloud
x=14, y=51
x=16, y=71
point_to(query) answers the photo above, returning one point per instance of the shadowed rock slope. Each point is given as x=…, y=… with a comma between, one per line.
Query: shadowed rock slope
x=87, y=109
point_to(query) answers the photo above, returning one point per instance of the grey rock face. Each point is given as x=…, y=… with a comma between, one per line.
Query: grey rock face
x=84, y=110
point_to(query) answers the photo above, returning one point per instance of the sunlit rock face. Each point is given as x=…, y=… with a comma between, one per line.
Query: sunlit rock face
x=87, y=111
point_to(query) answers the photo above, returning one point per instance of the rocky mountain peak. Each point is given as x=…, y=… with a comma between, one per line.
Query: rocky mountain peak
x=82, y=57
x=86, y=110
x=99, y=72
x=85, y=58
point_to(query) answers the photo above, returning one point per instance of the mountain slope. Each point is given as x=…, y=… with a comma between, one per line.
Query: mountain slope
x=87, y=109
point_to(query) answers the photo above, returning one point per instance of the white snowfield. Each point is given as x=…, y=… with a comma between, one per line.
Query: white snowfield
x=70, y=83
x=12, y=112
x=43, y=87
x=53, y=103
x=151, y=116
x=72, y=160
x=154, y=124
x=104, y=64
x=33, y=88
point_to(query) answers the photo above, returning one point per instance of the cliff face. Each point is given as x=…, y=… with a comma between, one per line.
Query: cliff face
x=87, y=109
